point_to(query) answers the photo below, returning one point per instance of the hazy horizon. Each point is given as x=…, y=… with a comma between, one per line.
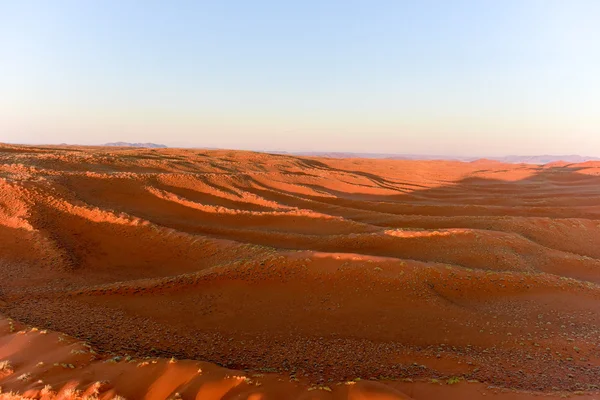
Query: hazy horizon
x=318, y=152
x=438, y=78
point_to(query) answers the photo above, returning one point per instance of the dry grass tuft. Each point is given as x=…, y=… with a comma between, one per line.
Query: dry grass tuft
x=6, y=367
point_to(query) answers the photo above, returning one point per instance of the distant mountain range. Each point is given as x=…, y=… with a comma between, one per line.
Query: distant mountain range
x=145, y=145
x=545, y=159
x=542, y=159
x=512, y=159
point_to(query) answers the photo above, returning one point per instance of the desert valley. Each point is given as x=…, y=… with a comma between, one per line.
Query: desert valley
x=213, y=274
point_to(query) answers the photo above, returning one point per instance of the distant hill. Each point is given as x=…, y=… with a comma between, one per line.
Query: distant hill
x=540, y=159
x=387, y=156
x=145, y=145
x=545, y=159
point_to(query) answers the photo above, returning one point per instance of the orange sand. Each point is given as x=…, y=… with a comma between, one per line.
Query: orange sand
x=284, y=274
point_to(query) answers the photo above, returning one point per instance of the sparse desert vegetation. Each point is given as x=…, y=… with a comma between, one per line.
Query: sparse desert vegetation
x=5, y=367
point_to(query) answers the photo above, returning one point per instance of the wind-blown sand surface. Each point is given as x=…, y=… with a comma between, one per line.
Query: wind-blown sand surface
x=295, y=277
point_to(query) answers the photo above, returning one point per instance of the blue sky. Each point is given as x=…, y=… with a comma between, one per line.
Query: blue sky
x=430, y=77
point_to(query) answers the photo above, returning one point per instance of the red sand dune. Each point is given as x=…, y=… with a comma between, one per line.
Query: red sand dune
x=283, y=274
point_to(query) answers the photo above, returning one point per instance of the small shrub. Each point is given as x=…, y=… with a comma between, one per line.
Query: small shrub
x=24, y=377
x=47, y=391
x=6, y=367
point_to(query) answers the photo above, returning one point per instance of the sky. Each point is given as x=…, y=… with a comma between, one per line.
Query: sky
x=451, y=77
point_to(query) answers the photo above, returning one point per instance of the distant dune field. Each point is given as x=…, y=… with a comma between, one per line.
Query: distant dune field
x=279, y=276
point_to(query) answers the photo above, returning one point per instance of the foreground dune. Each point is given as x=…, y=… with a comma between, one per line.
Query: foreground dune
x=282, y=274
x=47, y=365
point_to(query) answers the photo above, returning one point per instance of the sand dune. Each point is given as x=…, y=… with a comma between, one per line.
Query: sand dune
x=291, y=277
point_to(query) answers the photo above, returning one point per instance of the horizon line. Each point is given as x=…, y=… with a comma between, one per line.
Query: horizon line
x=358, y=154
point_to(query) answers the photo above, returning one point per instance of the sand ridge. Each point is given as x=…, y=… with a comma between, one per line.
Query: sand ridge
x=327, y=269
